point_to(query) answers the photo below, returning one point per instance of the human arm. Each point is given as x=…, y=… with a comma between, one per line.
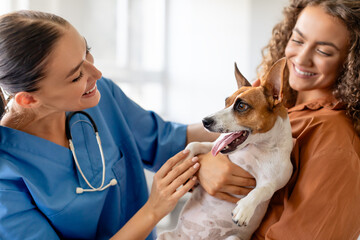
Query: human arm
x=165, y=193
x=221, y=178
x=197, y=133
x=19, y=217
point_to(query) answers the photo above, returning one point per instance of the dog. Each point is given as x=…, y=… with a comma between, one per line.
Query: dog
x=256, y=135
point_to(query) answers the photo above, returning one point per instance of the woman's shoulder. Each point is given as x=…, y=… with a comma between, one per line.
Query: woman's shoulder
x=110, y=91
x=105, y=84
x=10, y=174
x=324, y=116
x=108, y=84
x=324, y=137
x=324, y=130
x=320, y=119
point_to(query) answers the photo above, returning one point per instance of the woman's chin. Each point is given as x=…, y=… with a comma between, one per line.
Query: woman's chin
x=92, y=101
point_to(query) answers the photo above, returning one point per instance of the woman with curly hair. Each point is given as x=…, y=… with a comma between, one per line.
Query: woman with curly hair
x=321, y=40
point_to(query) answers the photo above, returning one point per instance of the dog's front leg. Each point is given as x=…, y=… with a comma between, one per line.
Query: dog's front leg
x=197, y=148
x=246, y=206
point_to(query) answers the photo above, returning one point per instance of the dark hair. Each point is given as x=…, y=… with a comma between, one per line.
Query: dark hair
x=347, y=86
x=26, y=39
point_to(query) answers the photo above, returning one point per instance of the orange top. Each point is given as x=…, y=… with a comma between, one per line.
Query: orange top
x=322, y=198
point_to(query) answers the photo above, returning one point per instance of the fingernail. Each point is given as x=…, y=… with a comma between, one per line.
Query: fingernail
x=196, y=165
x=186, y=151
x=194, y=159
x=194, y=178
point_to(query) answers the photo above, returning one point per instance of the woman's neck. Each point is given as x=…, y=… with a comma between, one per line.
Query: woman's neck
x=50, y=126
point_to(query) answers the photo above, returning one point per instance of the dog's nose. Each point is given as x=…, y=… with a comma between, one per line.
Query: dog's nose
x=208, y=122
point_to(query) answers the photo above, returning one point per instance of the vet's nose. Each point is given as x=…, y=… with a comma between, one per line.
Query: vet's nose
x=208, y=122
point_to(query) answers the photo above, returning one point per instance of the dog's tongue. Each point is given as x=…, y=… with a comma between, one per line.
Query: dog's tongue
x=226, y=140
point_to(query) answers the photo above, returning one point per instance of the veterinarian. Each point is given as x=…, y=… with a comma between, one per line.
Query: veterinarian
x=321, y=40
x=97, y=188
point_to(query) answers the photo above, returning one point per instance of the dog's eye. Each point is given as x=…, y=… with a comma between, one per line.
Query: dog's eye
x=241, y=106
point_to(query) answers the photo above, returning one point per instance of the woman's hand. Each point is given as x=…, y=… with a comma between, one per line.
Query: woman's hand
x=165, y=191
x=220, y=177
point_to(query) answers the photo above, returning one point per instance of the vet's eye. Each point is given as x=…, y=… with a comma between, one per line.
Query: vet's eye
x=241, y=106
x=78, y=78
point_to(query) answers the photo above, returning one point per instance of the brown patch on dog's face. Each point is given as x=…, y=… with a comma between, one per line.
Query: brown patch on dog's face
x=253, y=109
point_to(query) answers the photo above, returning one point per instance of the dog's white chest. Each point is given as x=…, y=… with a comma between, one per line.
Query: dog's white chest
x=206, y=217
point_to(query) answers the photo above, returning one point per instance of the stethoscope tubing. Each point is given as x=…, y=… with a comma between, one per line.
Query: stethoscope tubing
x=72, y=148
x=68, y=118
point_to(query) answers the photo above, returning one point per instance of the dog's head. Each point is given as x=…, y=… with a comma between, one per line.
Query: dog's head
x=249, y=111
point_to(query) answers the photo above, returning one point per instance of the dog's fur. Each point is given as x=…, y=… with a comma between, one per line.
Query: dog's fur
x=261, y=125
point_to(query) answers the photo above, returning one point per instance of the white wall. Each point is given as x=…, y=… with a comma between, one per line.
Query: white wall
x=206, y=37
x=202, y=40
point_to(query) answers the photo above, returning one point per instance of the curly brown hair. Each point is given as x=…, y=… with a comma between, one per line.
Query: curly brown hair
x=347, y=87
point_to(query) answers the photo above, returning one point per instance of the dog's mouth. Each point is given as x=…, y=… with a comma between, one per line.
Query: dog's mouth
x=230, y=142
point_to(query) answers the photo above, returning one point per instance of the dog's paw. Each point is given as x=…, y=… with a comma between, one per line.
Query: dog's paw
x=196, y=148
x=242, y=214
x=192, y=147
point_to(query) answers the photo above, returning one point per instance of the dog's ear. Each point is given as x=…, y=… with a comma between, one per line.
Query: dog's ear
x=273, y=80
x=240, y=79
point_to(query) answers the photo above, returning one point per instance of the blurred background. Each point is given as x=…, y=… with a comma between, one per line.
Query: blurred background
x=175, y=57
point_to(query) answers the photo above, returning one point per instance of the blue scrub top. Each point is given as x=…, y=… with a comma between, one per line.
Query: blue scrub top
x=38, y=178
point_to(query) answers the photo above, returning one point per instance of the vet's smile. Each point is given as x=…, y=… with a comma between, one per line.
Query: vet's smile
x=90, y=91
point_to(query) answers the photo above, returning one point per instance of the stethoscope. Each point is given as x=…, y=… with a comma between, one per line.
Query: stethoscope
x=80, y=190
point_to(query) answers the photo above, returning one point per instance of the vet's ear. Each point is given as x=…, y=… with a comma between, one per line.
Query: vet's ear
x=240, y=79
x=26, y=100
x=274, y=79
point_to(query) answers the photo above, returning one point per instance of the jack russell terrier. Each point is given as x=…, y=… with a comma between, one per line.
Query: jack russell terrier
x=256, y=135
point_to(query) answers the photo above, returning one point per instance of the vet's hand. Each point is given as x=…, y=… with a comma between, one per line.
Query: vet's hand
x=220, y=177
x=167, y=184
